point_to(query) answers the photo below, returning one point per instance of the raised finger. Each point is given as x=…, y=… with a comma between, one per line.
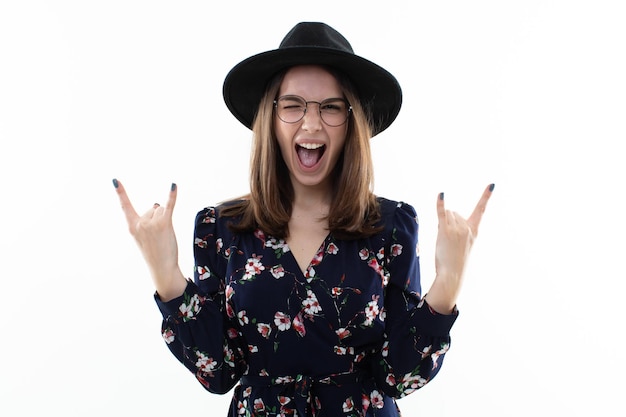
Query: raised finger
x=171, y=201
x=127, y=207
x=477, y=214
x=441, y=209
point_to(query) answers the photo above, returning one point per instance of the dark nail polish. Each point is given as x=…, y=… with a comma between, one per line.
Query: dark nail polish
x=441, y=196
x=173, y=186
x=115, y=183
x=491, y=187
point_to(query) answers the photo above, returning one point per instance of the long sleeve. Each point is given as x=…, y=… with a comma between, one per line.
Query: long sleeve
x=197, y=326
x=416, y=337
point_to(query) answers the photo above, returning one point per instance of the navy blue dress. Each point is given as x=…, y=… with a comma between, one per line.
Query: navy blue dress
x=345, y=338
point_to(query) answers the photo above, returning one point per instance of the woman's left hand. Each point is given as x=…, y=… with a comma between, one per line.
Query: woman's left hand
x=455, y=238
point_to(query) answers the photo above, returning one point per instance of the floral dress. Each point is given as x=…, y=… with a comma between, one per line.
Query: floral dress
x=344, y=338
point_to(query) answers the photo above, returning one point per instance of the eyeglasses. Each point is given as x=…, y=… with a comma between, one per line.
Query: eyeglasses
x=333, y=111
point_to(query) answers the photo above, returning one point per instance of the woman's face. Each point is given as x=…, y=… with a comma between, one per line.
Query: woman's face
x=310, y=147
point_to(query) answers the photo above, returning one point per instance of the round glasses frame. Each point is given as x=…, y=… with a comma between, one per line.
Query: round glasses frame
x=330, y=110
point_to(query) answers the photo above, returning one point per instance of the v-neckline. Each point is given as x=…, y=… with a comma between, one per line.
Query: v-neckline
x=305, y=272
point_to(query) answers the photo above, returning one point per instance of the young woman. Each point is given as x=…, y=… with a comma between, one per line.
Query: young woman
x=306, y=294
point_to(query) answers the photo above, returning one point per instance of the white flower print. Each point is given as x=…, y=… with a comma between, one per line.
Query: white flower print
x=282, y=321
x=311, y=305
x=364, y=254
x=203, y=272
x=190, y=310
x=168, y=335
x=219, y=244
x=377, y=399
x=371, y=311
x=243, y=319
x=348, y=405
x=253, y=267
x=275, y=244
x=410, y=383
x=396, y=249
x=332, y=249
x=278, y=271
x=264, y=329
x=201, y=243
x=204, y=363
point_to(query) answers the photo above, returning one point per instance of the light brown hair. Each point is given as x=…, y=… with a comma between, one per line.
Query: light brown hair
x=354, y=211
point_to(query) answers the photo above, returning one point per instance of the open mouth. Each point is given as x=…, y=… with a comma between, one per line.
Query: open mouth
x=310, y=154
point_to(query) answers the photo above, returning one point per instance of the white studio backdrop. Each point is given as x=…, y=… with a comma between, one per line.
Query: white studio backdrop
x=526, y=94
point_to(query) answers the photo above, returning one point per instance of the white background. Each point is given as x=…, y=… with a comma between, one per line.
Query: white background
x=529, y=94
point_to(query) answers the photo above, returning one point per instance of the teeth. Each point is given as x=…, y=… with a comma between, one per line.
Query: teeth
x=310, y=145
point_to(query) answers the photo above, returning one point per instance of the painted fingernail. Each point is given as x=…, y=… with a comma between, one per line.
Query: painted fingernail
x=491, y=187
x=173, y=186
x=115, y=183
x=441, y=196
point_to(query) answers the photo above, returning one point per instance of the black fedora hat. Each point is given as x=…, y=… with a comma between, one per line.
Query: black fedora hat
x=313, y=43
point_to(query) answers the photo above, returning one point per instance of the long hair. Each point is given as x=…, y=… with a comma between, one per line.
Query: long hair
x=354, y=211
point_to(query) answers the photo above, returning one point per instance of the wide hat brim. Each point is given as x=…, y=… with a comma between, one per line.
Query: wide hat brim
x=378, y=90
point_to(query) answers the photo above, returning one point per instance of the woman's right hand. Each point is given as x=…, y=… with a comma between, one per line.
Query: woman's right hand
x=154, y=234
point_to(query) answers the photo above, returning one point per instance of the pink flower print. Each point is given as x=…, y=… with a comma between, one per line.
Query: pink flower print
x=219, y=244
x=365, y=402
x=336, y=291
x=243, y=319
x=383, y=314
x=377, y=399
x=298, y=324
x=168, y=335
x=381, y=253
x=332, y=249
x=258, y=233
x=201, y=243
x=227, y=252
x=278, y=271
x=253, y=267
x=230, y=312
x=348, y=405
x=358, y=358
x=232, y=333
x=264, y=329
x=390, y=380
x=229, y=292
x=203, y=272
x=253, y=348
x=246, y=393
x=263, y=372
x=364, y=254
x=318, y=256
x=282, y=321
x=343, y=333
x=396, y=249
x=373, y=263
x=204, y=363
x=311, y=305
x=283, y=400
x=259, y=406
